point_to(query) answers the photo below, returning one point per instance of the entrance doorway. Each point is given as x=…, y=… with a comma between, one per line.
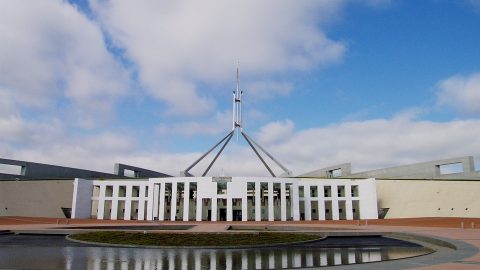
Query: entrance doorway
x=237, y=215
x=223, y=214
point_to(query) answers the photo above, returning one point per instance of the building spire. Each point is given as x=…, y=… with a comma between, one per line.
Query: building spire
x=237, y=127
x=237, y=105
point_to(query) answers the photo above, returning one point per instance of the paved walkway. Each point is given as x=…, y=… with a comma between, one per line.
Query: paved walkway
x=462, y=232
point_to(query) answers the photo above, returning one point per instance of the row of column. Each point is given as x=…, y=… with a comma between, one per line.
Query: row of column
x=283, y=202
x=115, y=199
x=156, y=202
x=321, y=200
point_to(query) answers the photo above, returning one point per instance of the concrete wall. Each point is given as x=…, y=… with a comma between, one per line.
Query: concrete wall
x=429, y=198
x=36, y=198
x=423, y=170
x=120, y=169
x=33, y=170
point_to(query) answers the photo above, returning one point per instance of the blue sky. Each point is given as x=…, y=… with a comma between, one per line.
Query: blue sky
x=375, y=82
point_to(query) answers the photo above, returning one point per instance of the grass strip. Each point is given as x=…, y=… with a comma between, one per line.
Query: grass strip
x=193, y=239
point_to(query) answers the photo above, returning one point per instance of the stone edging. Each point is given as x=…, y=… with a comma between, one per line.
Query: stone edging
x=192, y=247
x=421, y=238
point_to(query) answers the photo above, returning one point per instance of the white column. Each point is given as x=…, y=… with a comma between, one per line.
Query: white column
x=244, y=260
x=141, y=203
x=244, y=207
x=161, y=203
x=297, y=260
x=283, y=202
x=321, y=203
x=214, y=209
x=173, y=203
x=258, y=260
x=184, y=261
x=152, y=201
x=308, y=204
x=213, y=260
x=186, y=201
x=171, y=261
x=197, y=258
x=348, y=202
x=101, y=202
x=271, y=260
x=228, y=260
x=258, y=203
x=199, y=208
x=229, y=209
x=270, y=202
x=335, y=211
x=128, y=203
x=351, y=257
x=284, y=259
x=337, y=258
x=295, y=202
x=323, y=258
x=309, y=260
x=114, y=209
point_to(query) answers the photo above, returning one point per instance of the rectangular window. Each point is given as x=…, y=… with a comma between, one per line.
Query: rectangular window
x=327, y=191
x=135, y=191
x=96, y=191
x=355, y=191
x=11, y=169
x=122, y=191
x=130, y=173
x=313, y=191
x=450, y=168
x=341, y=191
x=334, y=173
x=108, y=191
x=301, y=192
x=221, y=188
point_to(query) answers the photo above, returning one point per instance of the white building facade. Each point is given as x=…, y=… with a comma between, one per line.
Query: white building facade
x=225, y=199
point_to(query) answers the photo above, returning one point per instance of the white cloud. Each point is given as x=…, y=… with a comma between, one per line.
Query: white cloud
x=475, y=4
x=461, y=93
x=368, y=145
x=380, y=143
x=177, y=46
x=275, y=132
x=221, y=122
x=51, y=53
x=267, y=89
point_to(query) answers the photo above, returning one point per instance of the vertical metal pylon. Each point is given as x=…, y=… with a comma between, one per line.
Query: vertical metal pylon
x=237, y=127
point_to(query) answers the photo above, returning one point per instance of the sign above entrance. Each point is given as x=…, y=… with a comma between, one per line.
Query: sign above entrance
x=222, y=179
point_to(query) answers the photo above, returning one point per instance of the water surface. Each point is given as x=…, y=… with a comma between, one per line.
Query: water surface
x=54, y=252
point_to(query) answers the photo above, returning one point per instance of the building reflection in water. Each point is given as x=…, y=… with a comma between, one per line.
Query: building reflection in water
x=95, y=258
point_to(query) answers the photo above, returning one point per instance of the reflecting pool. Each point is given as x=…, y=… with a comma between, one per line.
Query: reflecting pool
x=53, y=252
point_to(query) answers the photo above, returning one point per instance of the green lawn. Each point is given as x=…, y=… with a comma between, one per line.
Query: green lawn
x=192, y=239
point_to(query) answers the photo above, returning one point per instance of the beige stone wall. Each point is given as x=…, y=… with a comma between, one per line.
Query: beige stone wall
x=429, y=198
x=39, y=198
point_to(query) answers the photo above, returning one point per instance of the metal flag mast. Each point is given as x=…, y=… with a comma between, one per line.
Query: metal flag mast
x=237, y=127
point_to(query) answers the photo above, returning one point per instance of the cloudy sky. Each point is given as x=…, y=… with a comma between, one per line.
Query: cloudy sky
x=377, y=83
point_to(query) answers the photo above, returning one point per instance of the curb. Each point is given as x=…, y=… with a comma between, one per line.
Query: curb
x=193, y=247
